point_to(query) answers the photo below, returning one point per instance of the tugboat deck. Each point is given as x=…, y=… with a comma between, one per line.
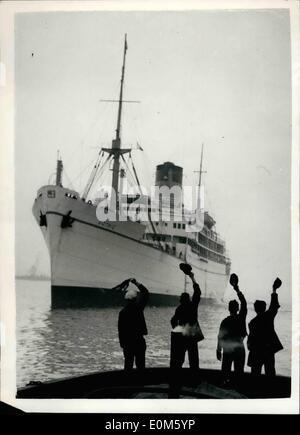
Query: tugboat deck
x=154, y=383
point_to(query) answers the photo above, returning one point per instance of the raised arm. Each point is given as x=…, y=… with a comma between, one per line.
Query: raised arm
x=274, y=304
x=243, y=309
x=144, y=293
x=197, y=292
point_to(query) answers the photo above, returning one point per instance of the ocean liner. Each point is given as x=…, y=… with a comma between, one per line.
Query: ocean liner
x=90, y=256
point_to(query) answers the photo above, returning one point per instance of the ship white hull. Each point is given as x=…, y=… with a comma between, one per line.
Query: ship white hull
x=89, y=258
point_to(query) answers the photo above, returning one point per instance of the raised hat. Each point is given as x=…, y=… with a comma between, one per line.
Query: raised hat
x=234, y=280
x=186, y=268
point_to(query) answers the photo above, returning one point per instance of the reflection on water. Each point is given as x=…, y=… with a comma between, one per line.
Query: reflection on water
x=59, y=343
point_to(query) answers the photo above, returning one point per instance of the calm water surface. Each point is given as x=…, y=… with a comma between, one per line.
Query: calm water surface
x=66, y=342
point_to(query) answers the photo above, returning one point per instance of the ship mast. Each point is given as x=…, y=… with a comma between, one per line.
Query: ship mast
x=116, y=150
x=116, y=143
x=198, y=208
x=121, y=91
x=199, y=198
x=200, y=176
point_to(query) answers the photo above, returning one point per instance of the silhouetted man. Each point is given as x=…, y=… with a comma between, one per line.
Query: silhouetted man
x=186, y=331
x=263, y=341
x=132, y=326
x=232, y=333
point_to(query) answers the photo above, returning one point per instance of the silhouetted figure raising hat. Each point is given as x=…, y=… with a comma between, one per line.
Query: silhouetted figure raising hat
x=132, y=325
x=186, y=332
x=263, y=341
x=230, y=347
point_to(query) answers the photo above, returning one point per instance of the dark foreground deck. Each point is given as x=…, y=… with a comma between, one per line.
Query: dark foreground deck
x=153, y=383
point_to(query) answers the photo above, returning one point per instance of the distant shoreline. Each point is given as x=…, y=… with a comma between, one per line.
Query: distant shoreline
x=33, y=278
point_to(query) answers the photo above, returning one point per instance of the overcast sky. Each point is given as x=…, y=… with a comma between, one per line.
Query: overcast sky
x=221, y=78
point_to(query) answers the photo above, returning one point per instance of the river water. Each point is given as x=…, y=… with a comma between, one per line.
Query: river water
x=52, y=344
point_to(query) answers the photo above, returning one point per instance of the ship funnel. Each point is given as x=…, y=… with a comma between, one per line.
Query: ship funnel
x=168, y=174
